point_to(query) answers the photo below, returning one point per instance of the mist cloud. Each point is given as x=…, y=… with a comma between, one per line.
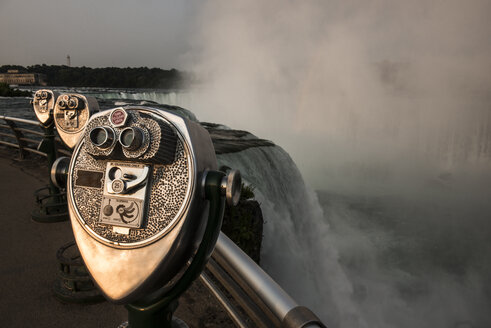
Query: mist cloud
x=380, y=98
x=339, y=84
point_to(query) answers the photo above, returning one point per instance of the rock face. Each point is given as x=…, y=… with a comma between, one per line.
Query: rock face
x=226, y=140
x=244, y=225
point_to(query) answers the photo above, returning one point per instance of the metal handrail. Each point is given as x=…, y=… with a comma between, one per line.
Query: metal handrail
x=257, y=294
x=252, y=277
x=227, y=305
x=23, y=143
x=20, y=120
x=18, y=134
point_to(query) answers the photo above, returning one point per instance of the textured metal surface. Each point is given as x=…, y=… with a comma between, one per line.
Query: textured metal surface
x=170, y=185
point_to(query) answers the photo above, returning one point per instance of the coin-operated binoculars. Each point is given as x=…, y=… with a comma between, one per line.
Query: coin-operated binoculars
x=146, y=205
x=71, y=115
x=44, y=103
x=51, y=203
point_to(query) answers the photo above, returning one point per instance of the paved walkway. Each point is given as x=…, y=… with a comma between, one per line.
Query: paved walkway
x=28, y=265
x=28, y=262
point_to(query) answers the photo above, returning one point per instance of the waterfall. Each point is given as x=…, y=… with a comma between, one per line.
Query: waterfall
x=360, y=260
x=297, y=251
x=175, y=98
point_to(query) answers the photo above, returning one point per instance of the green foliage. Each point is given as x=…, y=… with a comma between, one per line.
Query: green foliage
x=244, y=223
x=5, y=68
x=108, y=77
x=7, y=91
x=247, y=192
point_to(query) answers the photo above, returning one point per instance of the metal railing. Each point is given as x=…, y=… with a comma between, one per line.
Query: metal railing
x=25, y=135
x=248, y=294
x=18, y=132
x=254, y=295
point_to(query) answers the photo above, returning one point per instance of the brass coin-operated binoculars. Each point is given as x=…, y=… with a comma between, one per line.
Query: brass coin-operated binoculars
x=70, y=113
x=146, y=205
x=44, y=103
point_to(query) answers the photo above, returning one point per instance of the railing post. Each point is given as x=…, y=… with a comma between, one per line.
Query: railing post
x=18, y=136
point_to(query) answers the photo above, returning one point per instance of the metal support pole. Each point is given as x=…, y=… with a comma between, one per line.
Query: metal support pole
x=52, y=206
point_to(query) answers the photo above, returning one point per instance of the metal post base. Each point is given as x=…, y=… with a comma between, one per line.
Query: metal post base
x=52, y=207
x=162, y=318
x=73, y=284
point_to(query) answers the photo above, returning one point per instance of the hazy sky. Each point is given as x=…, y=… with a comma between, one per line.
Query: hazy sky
x=96, y=33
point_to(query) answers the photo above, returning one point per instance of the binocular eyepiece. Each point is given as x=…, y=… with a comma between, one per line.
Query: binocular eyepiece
x=130, y=138
x=102, y=136
x=133, y=137
x=42, y=94
x=70, y=102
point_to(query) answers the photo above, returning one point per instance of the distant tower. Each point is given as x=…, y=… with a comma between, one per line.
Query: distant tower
x=68, y=60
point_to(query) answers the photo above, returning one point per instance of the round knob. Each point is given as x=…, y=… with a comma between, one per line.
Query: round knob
x=59, y=171
x=102, y=136
x=131, y=138
x=232, y=187
x=108, y=210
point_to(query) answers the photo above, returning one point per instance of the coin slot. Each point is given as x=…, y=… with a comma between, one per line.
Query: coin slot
x=114, y=173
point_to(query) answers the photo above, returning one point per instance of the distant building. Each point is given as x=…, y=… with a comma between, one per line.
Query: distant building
x=13, y=76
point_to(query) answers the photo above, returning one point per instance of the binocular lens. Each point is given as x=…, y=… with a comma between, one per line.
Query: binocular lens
x=61, y=103
x=73, y=103
x=131, y=138
x=102, y=137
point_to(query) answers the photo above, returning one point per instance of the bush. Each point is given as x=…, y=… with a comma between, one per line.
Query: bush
x=7, y=91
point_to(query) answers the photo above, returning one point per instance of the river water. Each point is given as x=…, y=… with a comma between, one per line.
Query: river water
x=378, y=244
